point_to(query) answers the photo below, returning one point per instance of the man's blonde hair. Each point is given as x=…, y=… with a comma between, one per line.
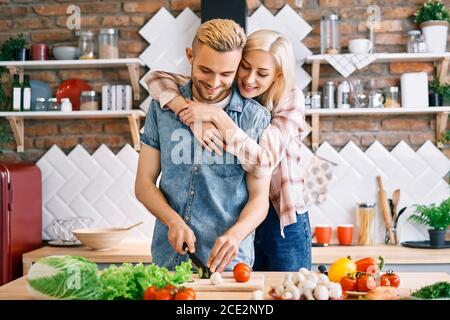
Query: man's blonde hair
x=222, y=35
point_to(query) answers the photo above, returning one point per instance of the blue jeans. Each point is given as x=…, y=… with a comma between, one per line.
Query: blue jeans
x=275, y=253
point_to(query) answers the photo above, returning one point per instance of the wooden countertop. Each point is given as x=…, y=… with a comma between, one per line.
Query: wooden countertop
x=140, y=252
x=16, y=290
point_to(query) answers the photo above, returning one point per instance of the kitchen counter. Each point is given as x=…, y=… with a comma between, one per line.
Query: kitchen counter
x=16, y=290
x=397, y=257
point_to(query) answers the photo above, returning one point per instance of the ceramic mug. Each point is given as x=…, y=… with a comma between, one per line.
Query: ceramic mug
x=359, y=46
x=323, y=234
x=345, y=234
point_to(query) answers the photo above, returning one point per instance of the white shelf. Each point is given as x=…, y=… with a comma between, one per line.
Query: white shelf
x=376, y=111
x=16, y=121
x=72, y=64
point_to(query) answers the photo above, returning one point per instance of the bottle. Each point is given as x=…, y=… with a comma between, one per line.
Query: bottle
x=66, y=105
x=328, y=95
x=26, y=94
x=16, y=94
x=343, y=95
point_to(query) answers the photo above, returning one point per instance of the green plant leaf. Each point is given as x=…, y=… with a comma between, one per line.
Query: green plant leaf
x=435, y=216
x=432, y=10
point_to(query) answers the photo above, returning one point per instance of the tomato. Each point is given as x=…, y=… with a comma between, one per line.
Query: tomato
x=172, y=289
x=348, y=284
x=149, y=293
x=241, y=272
x=384, y=281
x=365, y=283
x=394, y=279
x=163, y=294
x=340, y=268
x=185, y=294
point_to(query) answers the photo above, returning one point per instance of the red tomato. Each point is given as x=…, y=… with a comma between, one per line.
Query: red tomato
x=394, y=279
x=149, y=293
x=348, y=284
x=384, y=281
x=365, y=283
x=241, y=272
x=185, y=294
x=172, y=289
x=163, y=294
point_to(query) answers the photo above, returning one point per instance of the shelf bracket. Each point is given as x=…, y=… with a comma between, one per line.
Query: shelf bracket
x=443, y=69
x=133, y=70
x=135, y=122
x=16, y=124
x=16, y=70
x=315, y=131
x=315, y=76
x=441, y=125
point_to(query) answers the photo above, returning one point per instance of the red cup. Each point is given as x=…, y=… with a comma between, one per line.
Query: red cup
x=323, y=234
x=39, y=51
x=345, y=234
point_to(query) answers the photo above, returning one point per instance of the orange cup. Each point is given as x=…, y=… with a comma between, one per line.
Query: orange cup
x=345, y=234
x=323, y=234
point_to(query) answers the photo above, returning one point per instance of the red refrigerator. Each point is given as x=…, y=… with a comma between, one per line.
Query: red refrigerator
x=20, y=216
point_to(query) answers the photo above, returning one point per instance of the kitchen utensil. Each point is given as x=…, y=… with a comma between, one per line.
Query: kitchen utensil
x=203, y=270
x=71, y=89
x=133, y=225
x=39, y=89
x=399, y=214
x=101, y=239
x=395, y=202
x=384, y=206
x=391, y=208
x=66, y=53
x=256, y=282
x=359, y=46
x=424, y=245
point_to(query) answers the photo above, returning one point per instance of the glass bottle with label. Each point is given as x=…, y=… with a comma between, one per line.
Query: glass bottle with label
x=16, y=94
x=343, y=95
x=26, y=94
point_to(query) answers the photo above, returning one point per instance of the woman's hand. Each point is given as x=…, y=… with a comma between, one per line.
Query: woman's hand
x=224, y=251
x=209, y=137
x=197, y=112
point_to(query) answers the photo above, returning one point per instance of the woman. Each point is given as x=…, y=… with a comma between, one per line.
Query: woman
x=266, y=73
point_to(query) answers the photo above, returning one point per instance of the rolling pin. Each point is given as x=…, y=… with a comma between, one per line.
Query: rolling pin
x=384, y=206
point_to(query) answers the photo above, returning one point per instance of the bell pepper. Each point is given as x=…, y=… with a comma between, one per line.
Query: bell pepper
x=369, y=265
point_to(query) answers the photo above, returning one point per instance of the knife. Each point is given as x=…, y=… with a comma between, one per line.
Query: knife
x=203, y=270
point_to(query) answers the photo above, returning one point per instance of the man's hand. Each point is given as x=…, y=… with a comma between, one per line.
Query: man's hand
x=179, y=233
x=209, y=137
x=224, y=251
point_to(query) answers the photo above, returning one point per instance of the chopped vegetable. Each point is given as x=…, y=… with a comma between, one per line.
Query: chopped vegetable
x=216, y=278
x=435, y=291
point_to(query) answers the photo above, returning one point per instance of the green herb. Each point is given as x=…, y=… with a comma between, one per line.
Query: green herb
x=435, y=216
x=130, y=281
x=432, y=10
x=442, y=89
x=434, y=291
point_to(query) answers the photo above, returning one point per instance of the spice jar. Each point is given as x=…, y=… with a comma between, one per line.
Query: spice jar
x=365, y=217
x=39, y=105
x=88, y=101
x=86, y=44
x=53, y=105
x=107, y=44
x=391, y=99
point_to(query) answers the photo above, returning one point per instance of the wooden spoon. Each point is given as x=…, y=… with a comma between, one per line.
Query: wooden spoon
x=133, y=226
x=395, y=201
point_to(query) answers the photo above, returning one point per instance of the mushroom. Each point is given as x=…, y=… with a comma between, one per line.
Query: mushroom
x=313, y=277
x=308, y=284
x=334, y=290
x=257, y=295
x=287, y=295
x=304, y=271
x=216, y=278
x=308, y=293
x=298, y=278
x=279, y=289
x=323, y=279
x=321, y=292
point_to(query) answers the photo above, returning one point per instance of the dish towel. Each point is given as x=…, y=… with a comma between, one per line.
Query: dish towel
x=346, y=64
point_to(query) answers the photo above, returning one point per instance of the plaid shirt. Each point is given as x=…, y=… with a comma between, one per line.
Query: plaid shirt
x=278, y=151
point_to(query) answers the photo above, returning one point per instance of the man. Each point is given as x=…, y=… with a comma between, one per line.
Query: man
x=211, y=205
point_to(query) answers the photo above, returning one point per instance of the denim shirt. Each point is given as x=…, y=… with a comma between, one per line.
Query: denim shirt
x=208, y=191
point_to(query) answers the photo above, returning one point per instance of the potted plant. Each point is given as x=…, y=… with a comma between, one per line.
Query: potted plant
x=435, y=216
x=434, y=18
x=439, y=93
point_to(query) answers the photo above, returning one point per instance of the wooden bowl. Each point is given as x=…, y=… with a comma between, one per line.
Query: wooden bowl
x=101, y=239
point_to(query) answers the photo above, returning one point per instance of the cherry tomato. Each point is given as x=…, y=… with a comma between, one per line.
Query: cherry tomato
x=365, y=283
x=163, y=294
x=185, y=294
x=241, y=272
x=149, y=293
x=172, y=289
x=394, y=279
x=348, y=284
x=384, y=281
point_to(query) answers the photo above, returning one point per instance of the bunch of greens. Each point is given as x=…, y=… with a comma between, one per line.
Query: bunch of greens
x=435, y=216
x=437, y=290
x=442, y=89
x=432, y=10
x=130, y=281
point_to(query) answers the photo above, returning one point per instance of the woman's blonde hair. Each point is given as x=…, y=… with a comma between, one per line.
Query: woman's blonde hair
x=283, y=52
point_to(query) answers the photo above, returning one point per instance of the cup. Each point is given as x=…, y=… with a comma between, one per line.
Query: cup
x=22, y=54
x=359, y=46
x=39, y=51
x=323, y=234
x=345, y=234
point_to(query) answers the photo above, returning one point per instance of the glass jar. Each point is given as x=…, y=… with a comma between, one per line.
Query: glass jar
x=107, y=44
x=412, y=41
x=391, y=97
x=88, y=101
x=53, y=105
x=316, y=100
x=365, y=217
x=86, y=44
x=39, y=105
x=421, y=44
x=330, y=34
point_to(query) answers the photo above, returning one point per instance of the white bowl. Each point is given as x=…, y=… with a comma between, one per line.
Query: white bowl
x=66, y=53
x=100, y=239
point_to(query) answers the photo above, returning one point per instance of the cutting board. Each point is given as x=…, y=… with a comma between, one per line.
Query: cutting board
x=256, y=282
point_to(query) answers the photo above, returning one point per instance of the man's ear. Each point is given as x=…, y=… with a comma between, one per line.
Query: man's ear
x=189, y=55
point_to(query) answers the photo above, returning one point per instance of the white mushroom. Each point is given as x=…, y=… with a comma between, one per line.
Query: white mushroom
x=304, y=271
x=295, y=292
x=216, y=278
x=321, y=293
x=308, y=293
x=323, y=279
x=287, y=295
x=290, y=287
x=257, y=295
x=334, y=290
x=279, y=289
x=298, y=278
x=308, y=284
x=313, y=277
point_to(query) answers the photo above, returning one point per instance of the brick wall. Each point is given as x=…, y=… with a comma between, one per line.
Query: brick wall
x=44, y=21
